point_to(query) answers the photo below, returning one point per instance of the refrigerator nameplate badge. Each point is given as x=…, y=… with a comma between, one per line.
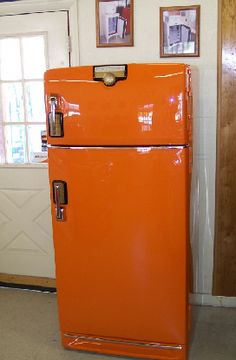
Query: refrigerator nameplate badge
x=110, y=74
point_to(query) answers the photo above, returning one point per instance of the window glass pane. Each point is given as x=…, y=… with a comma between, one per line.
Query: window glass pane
x=2, y=156
x=10, y=59
x=12, y=102
x=34, y=61
x=37, y=146
x=15, y=144
x=35, y=110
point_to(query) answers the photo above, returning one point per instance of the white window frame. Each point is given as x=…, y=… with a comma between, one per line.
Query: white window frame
x=34, y=6
x=23, y=81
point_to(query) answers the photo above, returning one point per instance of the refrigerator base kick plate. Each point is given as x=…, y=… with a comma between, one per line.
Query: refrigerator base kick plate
x=147, y=350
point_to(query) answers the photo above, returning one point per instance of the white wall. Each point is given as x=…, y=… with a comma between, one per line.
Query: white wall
x=204, y=70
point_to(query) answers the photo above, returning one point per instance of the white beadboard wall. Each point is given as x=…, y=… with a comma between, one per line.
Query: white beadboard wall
x=26, y=246
x=204, y=70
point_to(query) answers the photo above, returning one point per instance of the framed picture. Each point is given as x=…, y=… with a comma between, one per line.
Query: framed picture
x=179, y=31
x=114, y=23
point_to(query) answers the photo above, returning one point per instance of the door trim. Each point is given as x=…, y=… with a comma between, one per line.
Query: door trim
x=224, y=247
x=32, y=6
x=121, y=147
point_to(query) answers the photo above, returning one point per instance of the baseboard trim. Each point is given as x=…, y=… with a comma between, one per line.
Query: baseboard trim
x=25, y=281
x=210, y=300
x=42, y=283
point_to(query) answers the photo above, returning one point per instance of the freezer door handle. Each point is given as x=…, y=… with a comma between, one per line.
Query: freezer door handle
x=53, y=105
x=60, y=198
x=55, y=118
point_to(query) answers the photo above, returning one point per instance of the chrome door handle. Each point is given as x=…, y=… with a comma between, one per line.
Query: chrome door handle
x=53, y=105
x=55, y=118
x=60, y=215
x=60, y=198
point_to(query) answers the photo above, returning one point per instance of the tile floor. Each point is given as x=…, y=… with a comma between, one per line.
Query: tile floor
x=29, y=330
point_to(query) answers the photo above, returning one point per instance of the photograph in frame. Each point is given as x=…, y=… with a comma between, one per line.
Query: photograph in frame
x=114, y=23
x=179, y=31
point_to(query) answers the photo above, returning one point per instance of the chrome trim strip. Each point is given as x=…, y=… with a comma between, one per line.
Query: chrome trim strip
x=121, y=342
x=146, y=147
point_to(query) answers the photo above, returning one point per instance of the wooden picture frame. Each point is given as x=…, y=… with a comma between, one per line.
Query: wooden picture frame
x=114, y=23
x=180, y=31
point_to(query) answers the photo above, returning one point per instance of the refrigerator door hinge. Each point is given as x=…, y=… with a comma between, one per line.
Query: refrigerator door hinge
x=188, y=82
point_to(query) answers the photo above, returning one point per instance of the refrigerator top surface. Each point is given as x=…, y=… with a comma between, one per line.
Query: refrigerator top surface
x=135, y=104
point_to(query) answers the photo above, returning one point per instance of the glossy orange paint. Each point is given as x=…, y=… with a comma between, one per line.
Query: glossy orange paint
x=122, y=251
x=121, y=254
x=149, y=107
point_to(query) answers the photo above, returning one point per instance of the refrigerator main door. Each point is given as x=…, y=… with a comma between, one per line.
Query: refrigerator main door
x=121, y=249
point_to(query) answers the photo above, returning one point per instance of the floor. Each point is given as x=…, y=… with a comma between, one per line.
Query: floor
x=29, y=330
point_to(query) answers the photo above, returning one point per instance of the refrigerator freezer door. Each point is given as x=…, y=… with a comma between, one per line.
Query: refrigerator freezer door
x=121, y=254
x=147, y=108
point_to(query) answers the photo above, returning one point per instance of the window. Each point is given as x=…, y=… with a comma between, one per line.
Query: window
x=22, y=113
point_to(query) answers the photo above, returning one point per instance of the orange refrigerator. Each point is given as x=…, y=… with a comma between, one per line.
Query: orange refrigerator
x=119, y=166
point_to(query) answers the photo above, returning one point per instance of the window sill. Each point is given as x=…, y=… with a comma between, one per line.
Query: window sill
x=25, y=166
